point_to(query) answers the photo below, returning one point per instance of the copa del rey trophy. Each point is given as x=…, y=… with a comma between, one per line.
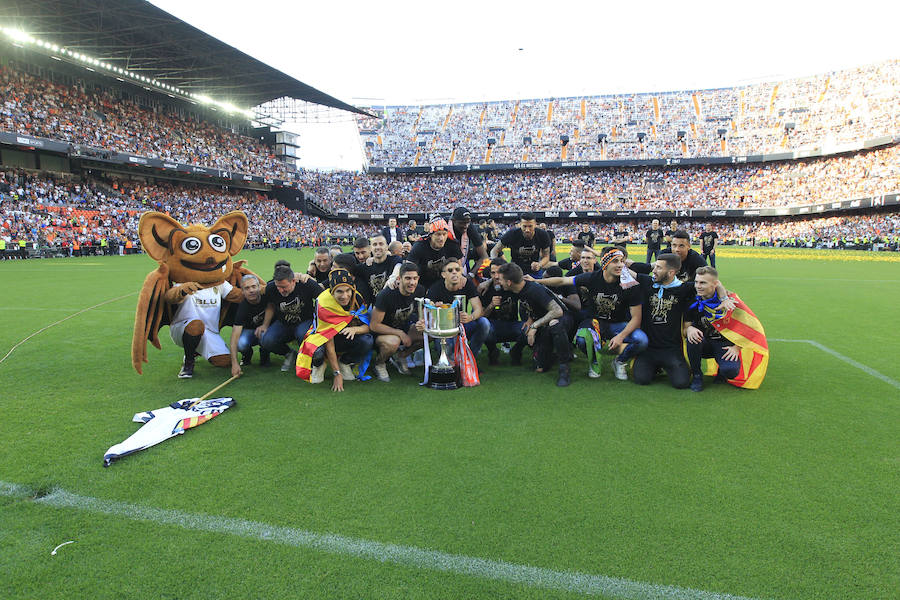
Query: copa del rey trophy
x=441, y=322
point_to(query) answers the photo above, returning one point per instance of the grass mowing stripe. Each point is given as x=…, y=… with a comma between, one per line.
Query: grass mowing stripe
x=846, y=359
x=64, y=319
x=410, y=556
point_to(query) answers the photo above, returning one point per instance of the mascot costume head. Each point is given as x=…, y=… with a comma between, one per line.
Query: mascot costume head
x=195, y=272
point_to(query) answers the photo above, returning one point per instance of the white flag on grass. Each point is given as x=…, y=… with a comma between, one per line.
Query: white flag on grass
x=161, y=424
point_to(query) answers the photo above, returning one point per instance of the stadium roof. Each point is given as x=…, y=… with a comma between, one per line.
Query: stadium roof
x=141, y=38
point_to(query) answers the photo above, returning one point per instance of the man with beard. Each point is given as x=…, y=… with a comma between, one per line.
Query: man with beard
x=251, y=313
x=548, y=329
x=615, y=307
x=529, y=246
x=392, y=233
x=393, y=321
x=654, y=240
x=432, y=251
x=320, y=265
x=468, y=237
x=378, y=269
x=665, y=300
x=502, y=308
x=289, y=312
x=362, y=249
x=454, y=283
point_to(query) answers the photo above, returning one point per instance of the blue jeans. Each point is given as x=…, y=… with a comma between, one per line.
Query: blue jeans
x=504, y=331
x=349, y=351
x=279, y=333
x=708, y=348
x=651, y=252
x=247, y=340
x=635, y=342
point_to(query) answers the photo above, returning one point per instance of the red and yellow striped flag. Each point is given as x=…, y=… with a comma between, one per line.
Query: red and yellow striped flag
x=331, y=317
x=741, y=327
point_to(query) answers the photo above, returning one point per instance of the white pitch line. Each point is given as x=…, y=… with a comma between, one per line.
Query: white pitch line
x=409, y=556
x=846, y=359
x=61, y=320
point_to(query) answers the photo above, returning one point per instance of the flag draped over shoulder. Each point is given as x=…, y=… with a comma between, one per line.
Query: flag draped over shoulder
x=741, y=327
x=331, y=318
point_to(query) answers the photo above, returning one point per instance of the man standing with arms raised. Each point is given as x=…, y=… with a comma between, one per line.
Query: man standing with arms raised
x=529, y=246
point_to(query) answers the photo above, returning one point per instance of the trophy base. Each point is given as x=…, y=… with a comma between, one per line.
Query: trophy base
x=443, y=378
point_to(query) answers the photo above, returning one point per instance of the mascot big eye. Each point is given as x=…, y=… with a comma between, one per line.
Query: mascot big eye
x=195, y=288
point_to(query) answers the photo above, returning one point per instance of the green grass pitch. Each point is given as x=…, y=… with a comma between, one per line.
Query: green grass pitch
x=788, y=492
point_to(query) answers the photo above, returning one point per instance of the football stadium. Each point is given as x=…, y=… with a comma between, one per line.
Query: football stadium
x=627, y=346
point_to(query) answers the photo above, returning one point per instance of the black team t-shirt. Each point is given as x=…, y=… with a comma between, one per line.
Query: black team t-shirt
x=708, y=240
x=250, y=316
x=566, y=264
x=608, y=301
x=297, y=306
x=524, y=252
x=430, y=260
x=439, y=292
x=620, y=238
x=669, y=233
x=702, y=322
x=587, y=237
x=398, y=309
x=509, y=307
x=376, y=274
x=662, y=317
x=654, y=238
x=689, y=266
x=536, y=300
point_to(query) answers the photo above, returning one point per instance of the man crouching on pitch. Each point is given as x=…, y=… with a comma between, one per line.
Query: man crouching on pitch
x=549, y=332
x=704, y=340
x=394, y=321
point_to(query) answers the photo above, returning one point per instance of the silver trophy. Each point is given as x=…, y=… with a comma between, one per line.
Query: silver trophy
x=442, y=322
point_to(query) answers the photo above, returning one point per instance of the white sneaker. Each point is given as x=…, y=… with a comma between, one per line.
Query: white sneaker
x=346, y=371
x=381, y=372
x=401, y=365
x=620, y=369
x=594, y=374
x=317, y=374
x=290, y=362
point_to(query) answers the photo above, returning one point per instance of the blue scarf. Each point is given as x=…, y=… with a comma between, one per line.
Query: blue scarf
x=664, y=286
x=709, y=305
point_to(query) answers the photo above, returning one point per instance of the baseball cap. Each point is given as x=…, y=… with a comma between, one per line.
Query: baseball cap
x=461, y=213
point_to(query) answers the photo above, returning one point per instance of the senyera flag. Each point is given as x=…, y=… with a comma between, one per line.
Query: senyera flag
x=331, y=318
x=167, y=422
x=741, y=327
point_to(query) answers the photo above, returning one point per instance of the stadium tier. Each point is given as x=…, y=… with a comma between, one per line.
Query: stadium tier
x=819, y=112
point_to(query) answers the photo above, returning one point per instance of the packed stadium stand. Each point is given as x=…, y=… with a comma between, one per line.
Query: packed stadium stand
x=820, y=111
x=88, y=144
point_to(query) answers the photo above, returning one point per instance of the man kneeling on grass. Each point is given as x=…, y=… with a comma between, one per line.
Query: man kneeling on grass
x=341, y=334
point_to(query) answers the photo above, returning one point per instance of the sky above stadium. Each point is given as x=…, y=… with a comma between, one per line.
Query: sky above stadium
x=371, y=54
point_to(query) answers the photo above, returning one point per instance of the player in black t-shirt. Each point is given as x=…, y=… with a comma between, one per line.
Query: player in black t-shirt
x=673, y=227
x=469, y=239
x=362, y=249
x=502, y=308
x=552, y=241
x=620, y=238
x=704, y=340
x=289, y=312
x=616, y=308
x=654, y=239
x=453, y=283
x=251, y=313
x=586, y=236
x=666, y=299
x=431, y=252
x=529, y=246
x=709, y=240
x=320, y=265
x=567, y=264
x=412, y=232
x=393, y=321
x=377, y=271
x=548, y=327
x=690, y=259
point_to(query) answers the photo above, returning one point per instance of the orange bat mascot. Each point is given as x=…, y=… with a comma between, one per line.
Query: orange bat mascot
x=192, y=290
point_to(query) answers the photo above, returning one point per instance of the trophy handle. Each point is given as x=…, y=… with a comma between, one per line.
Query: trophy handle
x=460, y=305
x=420, y=305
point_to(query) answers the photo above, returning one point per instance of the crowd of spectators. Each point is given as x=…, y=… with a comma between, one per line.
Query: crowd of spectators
x=787, y=183
x=77, y=216
x=104, y=120
x=816, y=111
